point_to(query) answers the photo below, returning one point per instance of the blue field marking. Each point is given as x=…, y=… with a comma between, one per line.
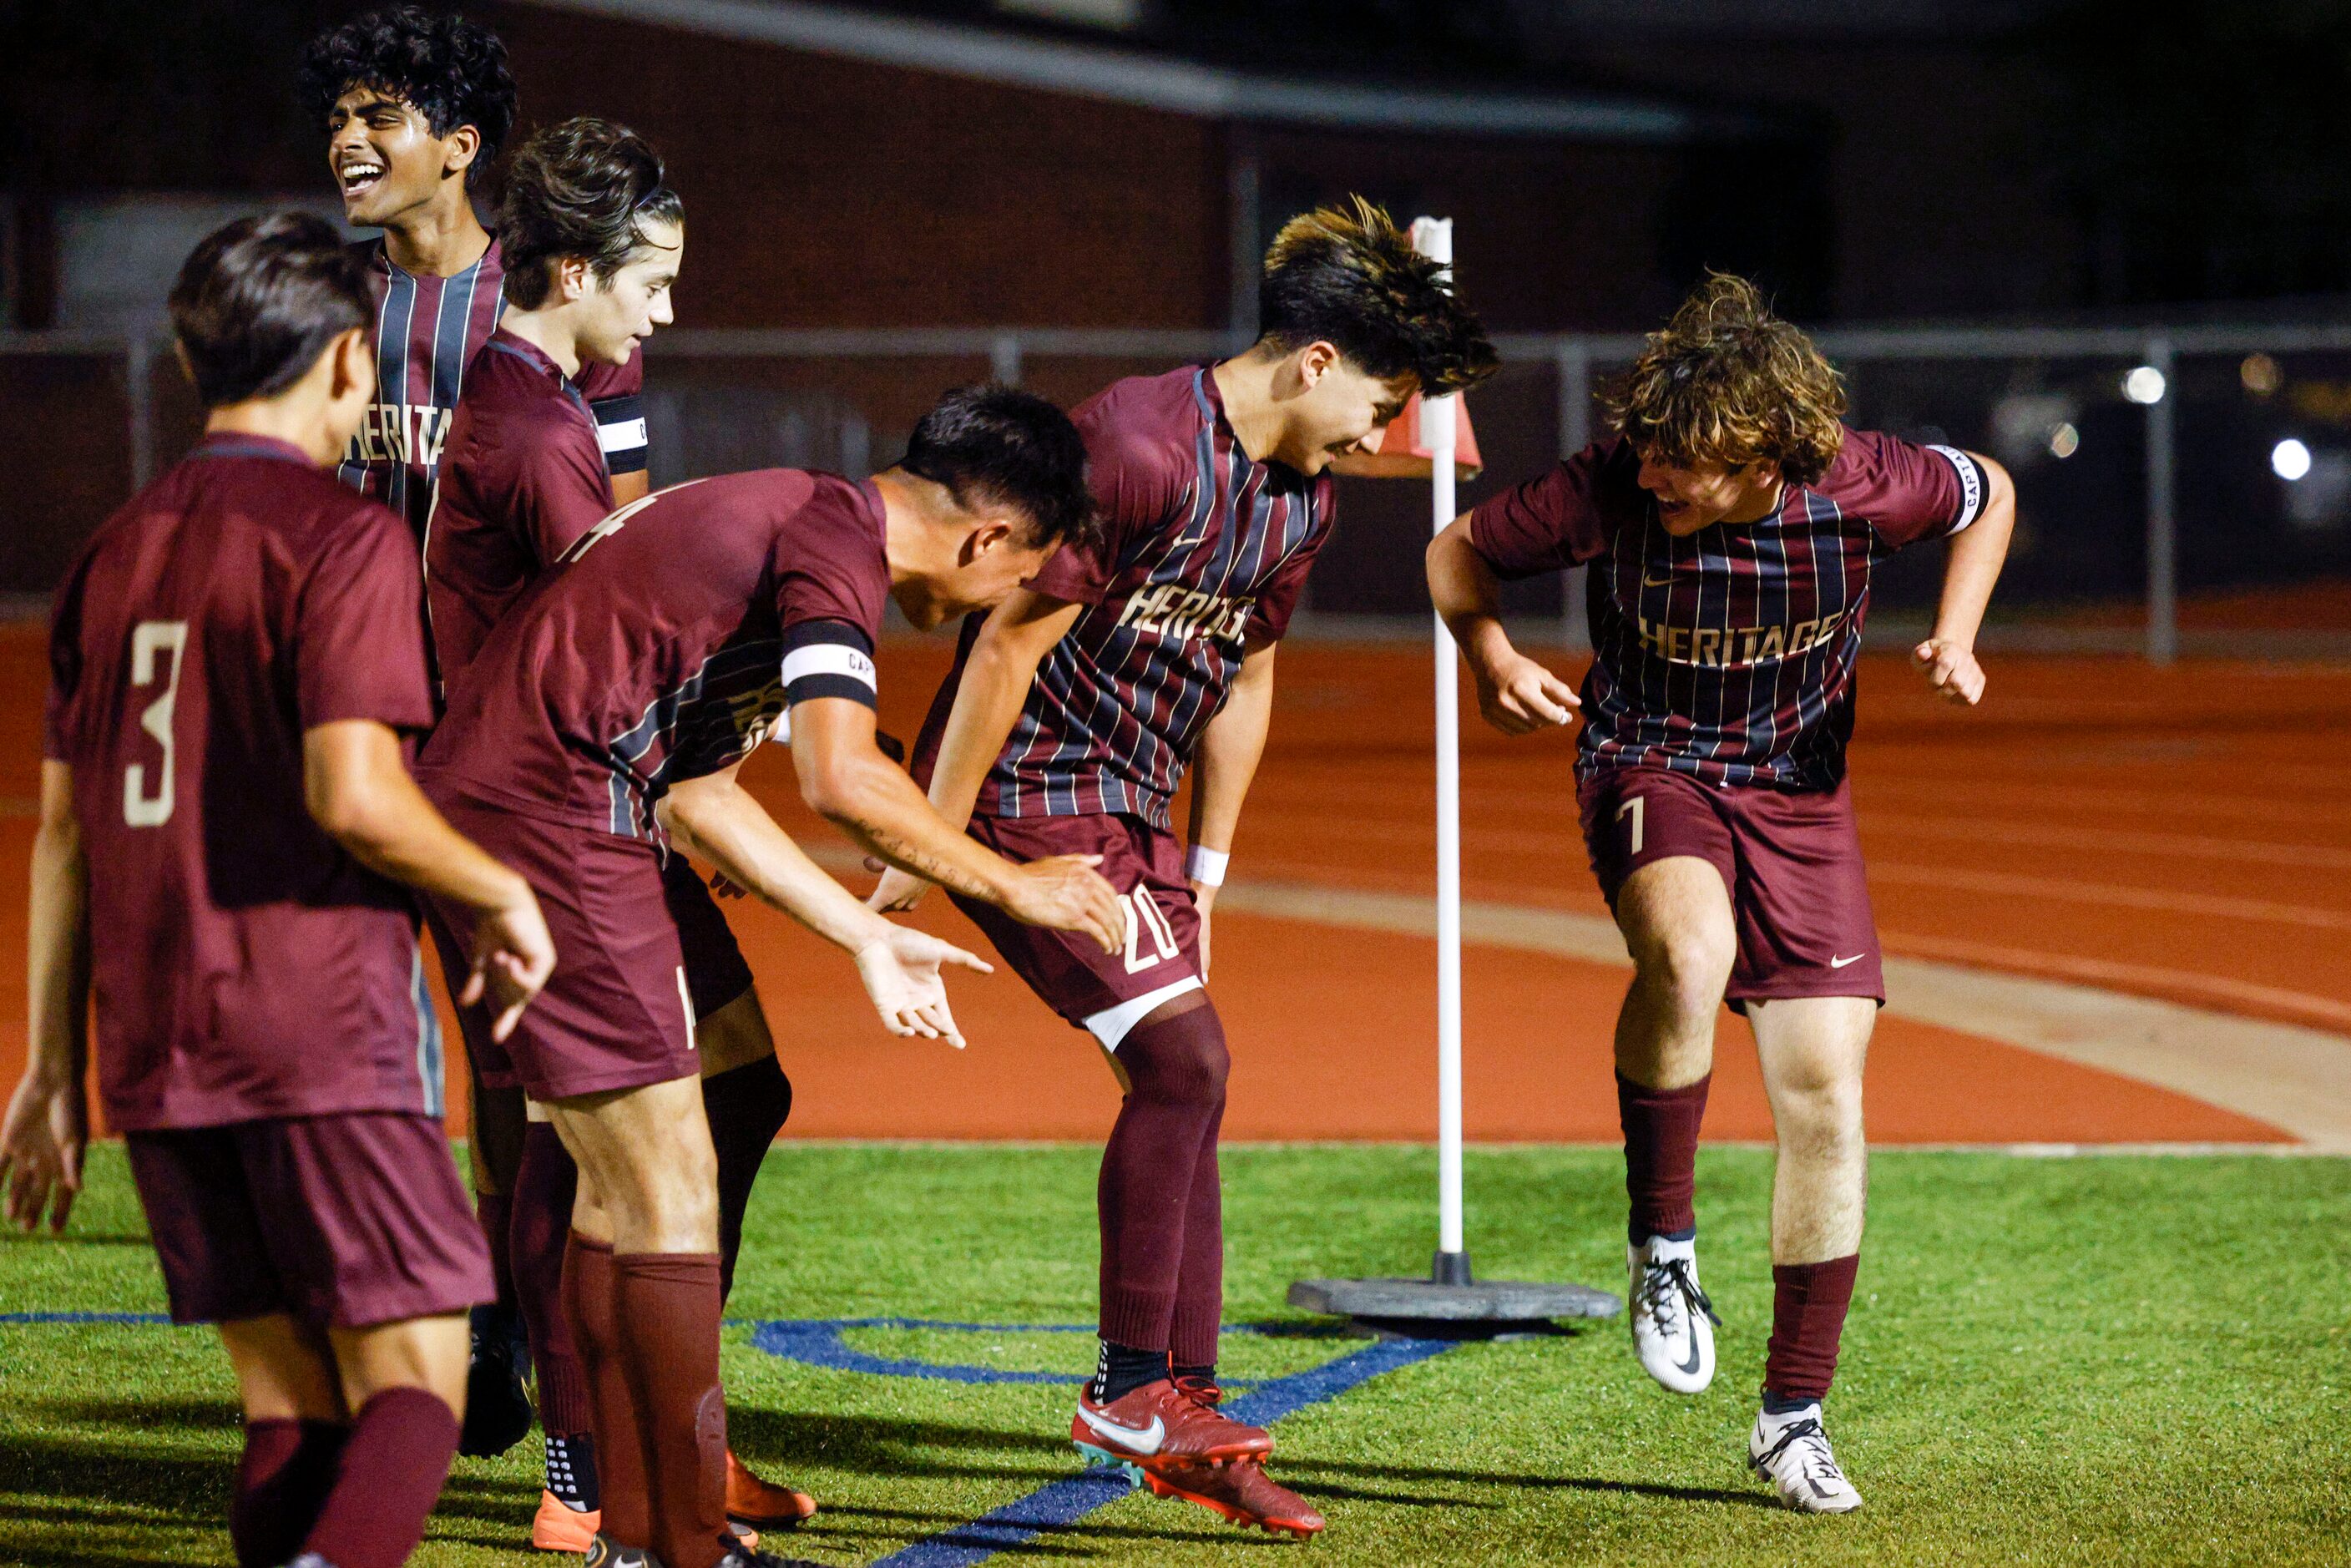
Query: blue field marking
x=1059, y=1504
x=163, y=1319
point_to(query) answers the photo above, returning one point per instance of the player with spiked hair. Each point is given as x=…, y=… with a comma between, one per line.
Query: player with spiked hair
x=1075, y=709
x=1731, y=524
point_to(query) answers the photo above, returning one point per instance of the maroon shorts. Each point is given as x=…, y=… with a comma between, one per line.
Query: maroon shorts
x=1107, y=993
x=715, y=973
x=345, y=1219
x=617, y=1013
x=1791, y=858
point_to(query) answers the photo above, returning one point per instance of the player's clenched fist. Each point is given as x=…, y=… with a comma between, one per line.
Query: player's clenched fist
x=513, y=956
x=1518, y=696
x=1950, y=669
x=1066, y=892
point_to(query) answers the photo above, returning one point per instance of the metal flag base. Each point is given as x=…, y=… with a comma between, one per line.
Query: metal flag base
x=1450, y=1305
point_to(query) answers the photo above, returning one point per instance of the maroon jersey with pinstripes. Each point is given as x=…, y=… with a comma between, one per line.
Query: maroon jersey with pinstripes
x=1728, y=654
x=427, y=333
x=1204, y=551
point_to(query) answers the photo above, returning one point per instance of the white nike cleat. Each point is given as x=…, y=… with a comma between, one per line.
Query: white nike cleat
x=1673, y=1321
x=1792, y=1452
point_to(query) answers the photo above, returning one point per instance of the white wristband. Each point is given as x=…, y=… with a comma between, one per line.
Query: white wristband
x=1207, y=866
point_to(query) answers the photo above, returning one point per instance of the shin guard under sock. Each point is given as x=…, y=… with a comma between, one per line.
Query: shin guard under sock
x=282, y=1479
x=665, y=1305
x=1809, y=1301
x=392, y=1466
x=622, y=1488
x=1176, y=1069
x=1661, y=1155
x=544, y=1189
x=747, y=1106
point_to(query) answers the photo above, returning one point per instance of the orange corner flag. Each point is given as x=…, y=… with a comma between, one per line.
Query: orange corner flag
x=1402, y=454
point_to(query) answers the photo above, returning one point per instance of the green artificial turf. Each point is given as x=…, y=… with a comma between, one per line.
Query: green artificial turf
x=2097, y=1360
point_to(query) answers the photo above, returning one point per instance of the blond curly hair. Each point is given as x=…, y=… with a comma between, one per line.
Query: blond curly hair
x=1726, y=383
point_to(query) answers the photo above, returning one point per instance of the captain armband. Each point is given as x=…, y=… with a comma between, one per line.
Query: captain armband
x=828, y=659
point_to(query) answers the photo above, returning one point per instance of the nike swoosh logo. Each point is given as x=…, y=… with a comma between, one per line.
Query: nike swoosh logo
x=1690, y=1367
x=1648, y=581
x=1841, y=962
x=1138, y=1439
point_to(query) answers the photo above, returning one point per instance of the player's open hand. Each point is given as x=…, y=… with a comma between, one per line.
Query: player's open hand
x=900, y=968
x=1066, y=894
x=897, y=891
x=41, y=1143
x=513, y=956
x=1951, y=671
x=1518, y=697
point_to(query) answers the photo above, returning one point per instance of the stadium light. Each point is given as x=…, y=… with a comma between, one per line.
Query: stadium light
x=2144, y=384
x=2289, y=460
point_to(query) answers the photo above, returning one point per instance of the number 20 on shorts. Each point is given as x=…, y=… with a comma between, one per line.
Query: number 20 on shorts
x=1143, y=915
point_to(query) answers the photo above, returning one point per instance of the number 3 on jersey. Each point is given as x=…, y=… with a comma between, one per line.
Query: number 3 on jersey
x=150, y=639
x=1143, y=914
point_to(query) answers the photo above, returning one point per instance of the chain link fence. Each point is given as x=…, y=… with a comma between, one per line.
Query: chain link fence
x=2180, y=490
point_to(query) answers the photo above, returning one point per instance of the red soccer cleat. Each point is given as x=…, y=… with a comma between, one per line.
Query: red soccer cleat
x=1242, y=1492
x=750, y=1500
x=1161, y=1424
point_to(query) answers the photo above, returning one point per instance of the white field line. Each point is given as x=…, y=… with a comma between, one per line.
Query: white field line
x=2294, y=1079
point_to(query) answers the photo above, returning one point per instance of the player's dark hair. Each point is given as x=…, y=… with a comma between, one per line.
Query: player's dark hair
x=450, y=70
x=991, y=444
x=584, y=188
x=1726, y=383
x=1349, y=276
x=259, y=300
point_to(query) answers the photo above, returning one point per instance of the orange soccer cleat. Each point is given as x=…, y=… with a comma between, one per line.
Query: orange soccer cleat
x=750, y=1500
x=559, y=1527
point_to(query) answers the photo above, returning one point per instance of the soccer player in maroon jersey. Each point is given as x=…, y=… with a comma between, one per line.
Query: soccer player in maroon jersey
x=227, y=820
x=1731, y=527
x=414, y=108
x=598, y=730
x=593, y=240
x=1072, y=713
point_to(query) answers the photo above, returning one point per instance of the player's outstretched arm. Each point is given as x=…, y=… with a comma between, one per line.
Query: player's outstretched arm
x=1515, y=694
x=714, y=817
x=845, y=778
x=995, y=683
x=357, y=786
x=1222, y=770
x=1948, y=658
x=48, y=1123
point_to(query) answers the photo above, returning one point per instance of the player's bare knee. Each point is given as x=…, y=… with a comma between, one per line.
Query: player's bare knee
x=1685, y=968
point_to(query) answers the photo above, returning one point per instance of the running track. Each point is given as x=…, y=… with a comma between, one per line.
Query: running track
x=2180, y=834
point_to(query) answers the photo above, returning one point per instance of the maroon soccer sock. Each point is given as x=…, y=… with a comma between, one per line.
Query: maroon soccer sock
x=495, y=1211
x=1661, y=1155
x=622, y=1489
x=665, y=1305
x=1200, y=1286
x=392, y=1466
x=1808, y=1307
x=1175, y=1070
x=282, y=1479
x=746, y=1107
x=544, y=1190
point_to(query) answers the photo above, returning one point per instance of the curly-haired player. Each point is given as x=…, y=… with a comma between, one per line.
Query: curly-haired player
x=415, y=108
x=1731, y=524
x=1075, y=709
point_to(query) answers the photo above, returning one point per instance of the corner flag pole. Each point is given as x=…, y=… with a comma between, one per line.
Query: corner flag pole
x=1452, y=1301
x=1433, y=237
